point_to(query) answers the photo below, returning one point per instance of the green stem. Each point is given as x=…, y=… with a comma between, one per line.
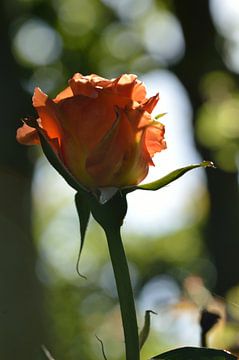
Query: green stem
x=125, y=293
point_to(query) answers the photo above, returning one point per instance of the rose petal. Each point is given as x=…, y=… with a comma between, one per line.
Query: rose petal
x=127, y=85
x=81, y=85
x=154, y=138
x=114, y=148
x=99, y=81
x=139, y=92
x=66, y=93
x=47, y=112
x=138, y=117
x=149, y=104
x=26, y=135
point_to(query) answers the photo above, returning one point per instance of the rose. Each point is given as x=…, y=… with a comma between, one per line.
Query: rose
x=102, y=130
x=103, y=136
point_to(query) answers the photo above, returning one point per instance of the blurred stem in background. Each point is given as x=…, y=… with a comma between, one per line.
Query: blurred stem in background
x=222, y=229
x=20, y=293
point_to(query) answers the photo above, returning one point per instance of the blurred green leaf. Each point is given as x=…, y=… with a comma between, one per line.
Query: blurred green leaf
x=193, y=353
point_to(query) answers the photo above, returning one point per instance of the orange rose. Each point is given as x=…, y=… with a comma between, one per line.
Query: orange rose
x=101, y=130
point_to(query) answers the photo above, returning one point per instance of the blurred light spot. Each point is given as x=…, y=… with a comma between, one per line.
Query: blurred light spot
x=55, y=195
x=196, y=291
x=77, y=17
x=142, y=64
x=54, y=250
x=120, y=42
x=208, y=131
x=110, y=328
x=111, y=69
x=56, y=226
x=47, y=78
x=95, y=301
x=227, y=158
x=232, y=302
x=163, y=37
x=217, y=125
x=216, y=86
x=229, y=119
x=159, y=291
x=179, y=326
x=232, y=54
x=225, y=15
x=36, y=43
x=218, y=129
x=129, y=8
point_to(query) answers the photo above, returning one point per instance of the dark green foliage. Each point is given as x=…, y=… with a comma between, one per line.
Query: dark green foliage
x=191, y=353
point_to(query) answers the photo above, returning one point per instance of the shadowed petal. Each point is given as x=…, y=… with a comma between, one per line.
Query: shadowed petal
x=26, y=135
x=150, y=103
x=114, y=148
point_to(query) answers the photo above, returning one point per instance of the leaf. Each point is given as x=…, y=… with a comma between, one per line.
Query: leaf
x=159, y=116
x=165, y=180
x=83, y=210
x=58, y=165
x=194, y=353
x=144, y=333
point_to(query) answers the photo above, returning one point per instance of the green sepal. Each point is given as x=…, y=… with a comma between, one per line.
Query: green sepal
x=144, y=333
x=167, y=179
x=110, y=214
x=189, y=353
x=58, y=164
x=83, y=210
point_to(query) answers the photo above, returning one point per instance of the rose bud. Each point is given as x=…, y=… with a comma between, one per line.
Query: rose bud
x=101, y=130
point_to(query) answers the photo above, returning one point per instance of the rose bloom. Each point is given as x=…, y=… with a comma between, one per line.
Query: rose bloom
x=102, y=130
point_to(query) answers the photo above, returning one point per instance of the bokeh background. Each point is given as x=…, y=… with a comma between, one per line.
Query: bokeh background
x=183, y=241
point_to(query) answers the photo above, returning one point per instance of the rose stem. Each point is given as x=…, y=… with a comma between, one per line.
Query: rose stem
x=125, y=293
